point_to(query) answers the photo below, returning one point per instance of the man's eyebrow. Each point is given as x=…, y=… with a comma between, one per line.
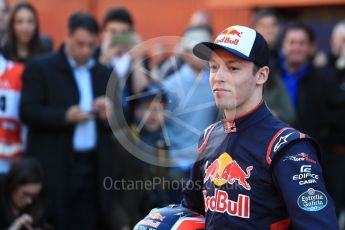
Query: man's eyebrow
x=227, y=62
x=233, y=62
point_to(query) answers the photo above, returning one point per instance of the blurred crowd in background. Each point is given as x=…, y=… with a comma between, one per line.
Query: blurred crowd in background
x=58, y=140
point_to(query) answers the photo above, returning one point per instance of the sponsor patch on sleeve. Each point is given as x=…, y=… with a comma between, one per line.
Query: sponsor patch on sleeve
x=281, y=139
x=306, y=176
x=312, y=200
x=304, y=157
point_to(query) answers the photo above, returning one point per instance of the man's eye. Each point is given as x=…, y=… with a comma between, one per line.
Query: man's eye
x=232, y=68
x=213, y=67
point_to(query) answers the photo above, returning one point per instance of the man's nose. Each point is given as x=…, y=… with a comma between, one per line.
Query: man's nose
x=221, y=74
x=87, y=50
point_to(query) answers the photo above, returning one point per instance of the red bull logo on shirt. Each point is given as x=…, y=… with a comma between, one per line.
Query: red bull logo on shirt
x=220, y=203
x=226, y=170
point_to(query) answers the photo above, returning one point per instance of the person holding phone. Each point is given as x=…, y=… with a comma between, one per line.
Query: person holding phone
x=64, y=105
x=118, y=39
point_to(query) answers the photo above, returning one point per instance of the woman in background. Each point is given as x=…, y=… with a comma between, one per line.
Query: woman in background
x=23, y=38
x=22, y=196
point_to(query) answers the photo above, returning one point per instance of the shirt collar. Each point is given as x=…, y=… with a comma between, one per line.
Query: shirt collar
x=245, y=120
x=300, y=72
x=89, y=64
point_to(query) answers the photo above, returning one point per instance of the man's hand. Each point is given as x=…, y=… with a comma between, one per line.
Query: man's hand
x=104, y=107
x=75, y=114
x=108, y=51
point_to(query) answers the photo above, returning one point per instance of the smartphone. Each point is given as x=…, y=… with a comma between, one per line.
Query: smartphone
x=93, y=112
x=128, y=39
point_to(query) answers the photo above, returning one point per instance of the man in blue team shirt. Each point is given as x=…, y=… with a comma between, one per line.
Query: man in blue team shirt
x=253, y=171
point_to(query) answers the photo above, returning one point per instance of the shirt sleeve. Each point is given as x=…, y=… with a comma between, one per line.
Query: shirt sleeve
x=298, y=175
x=192, y=197
x=192, y=194
x=34, y=110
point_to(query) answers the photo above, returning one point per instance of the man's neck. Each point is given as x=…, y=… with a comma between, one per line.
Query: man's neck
x=22, y=50
x=294, y=67
x=71, y=58
x=245, y=108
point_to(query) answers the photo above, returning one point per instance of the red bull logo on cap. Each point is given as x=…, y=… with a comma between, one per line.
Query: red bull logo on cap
x=230, y=36
x=230, y=31
x=226, y=170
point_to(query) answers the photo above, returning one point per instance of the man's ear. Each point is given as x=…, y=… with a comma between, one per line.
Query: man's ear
x=262, y=75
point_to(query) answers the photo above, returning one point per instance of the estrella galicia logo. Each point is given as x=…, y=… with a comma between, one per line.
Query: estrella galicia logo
x=312, y=200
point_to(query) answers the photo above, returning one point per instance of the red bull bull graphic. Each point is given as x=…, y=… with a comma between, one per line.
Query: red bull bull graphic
x=220, y=203
x=156, y=216
x=235, y=32
x=230, y=31
x=230, y=36
x=226, y=170
x=155, y=219
x=150, y=223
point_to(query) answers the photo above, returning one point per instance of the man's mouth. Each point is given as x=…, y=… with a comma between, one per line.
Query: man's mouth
x=215, y=90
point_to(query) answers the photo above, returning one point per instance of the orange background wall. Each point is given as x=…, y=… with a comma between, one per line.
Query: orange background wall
x=155, y=18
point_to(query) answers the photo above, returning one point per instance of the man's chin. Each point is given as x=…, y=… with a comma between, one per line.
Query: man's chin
x=225, y=106
x=81, y=61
